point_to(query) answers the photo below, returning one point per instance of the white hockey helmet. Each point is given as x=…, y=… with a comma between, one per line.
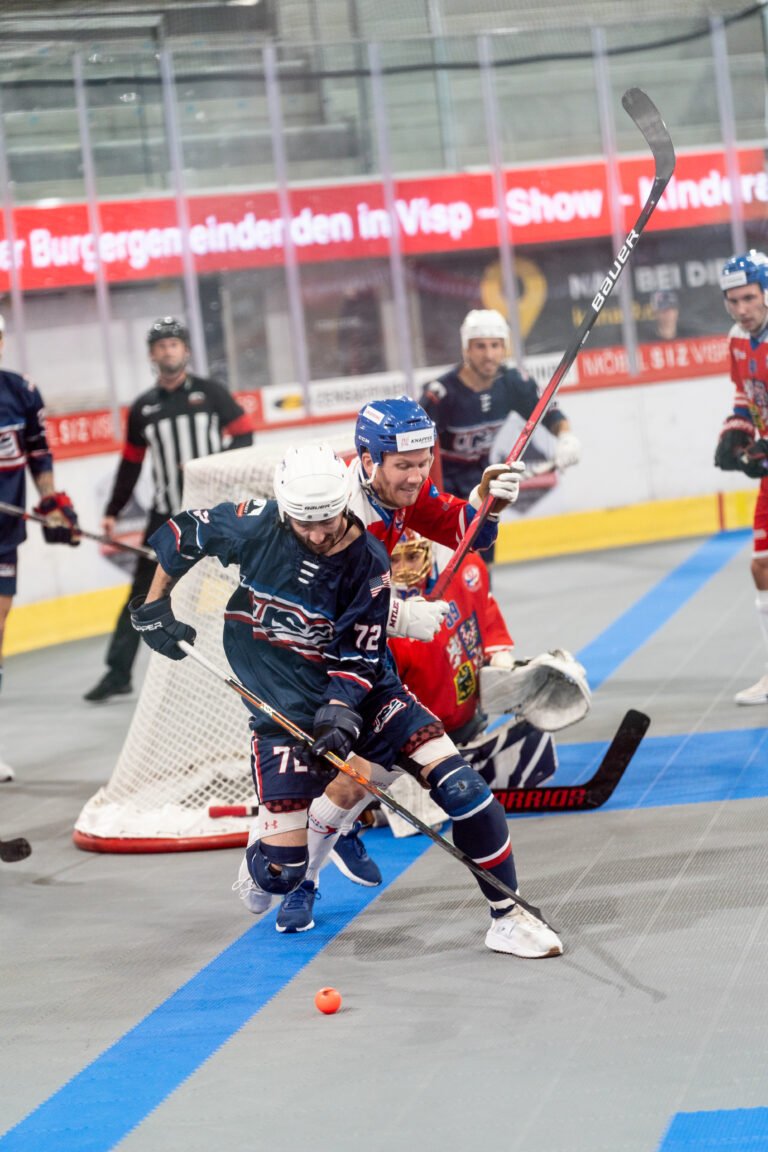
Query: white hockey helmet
x=483, y=324
x=311, y=483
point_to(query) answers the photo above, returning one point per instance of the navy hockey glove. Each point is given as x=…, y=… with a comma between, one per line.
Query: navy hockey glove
x=735, y=438
x=159, y=628
x=335, y=729
x=59, y=533
x=754, y=462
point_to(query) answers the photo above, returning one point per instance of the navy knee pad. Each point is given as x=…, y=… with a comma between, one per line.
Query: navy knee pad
x=292, y=863
x=458, y=789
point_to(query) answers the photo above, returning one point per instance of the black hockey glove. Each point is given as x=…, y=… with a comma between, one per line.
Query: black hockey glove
x=735, y=439
x=755, y=460
x=335, y=729
x=159, y=628
x=59, y=533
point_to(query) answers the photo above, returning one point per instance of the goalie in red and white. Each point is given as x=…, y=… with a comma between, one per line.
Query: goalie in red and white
x=500, y=710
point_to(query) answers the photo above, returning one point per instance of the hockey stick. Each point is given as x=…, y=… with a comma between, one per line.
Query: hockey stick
x=12, y=510
x=646, y=116
x=343, y=766
x=11, y=851
x=584, y=797
x=592, y=793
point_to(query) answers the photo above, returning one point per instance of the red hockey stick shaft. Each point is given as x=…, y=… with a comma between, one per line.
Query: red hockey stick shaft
x=646, y=116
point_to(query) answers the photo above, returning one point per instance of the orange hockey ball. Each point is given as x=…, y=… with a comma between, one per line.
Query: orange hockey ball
x=328, y=1000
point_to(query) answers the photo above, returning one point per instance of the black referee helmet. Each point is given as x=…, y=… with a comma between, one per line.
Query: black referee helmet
x=167, y=328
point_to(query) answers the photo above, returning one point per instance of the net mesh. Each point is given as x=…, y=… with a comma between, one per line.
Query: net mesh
x=188, y=745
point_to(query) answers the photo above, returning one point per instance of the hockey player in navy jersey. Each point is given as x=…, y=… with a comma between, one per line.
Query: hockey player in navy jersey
x=390, y=492
x=743, y=443
x=23, y=445
x=471, y=402
x=306, y=631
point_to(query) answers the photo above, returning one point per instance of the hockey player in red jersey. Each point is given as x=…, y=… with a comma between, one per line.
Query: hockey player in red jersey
x=446, y=672
x=743, y=443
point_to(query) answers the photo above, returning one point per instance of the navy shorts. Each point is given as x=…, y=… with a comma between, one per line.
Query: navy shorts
x=394, y=723
x=8, y=569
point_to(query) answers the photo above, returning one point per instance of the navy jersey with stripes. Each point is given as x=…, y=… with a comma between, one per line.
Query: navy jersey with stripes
x=300, y=629
x=23, y=444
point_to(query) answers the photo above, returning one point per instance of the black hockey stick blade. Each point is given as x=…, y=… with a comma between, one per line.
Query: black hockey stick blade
x=593, y=793
x=647, y=117
x=640, y=108
x=11, y=851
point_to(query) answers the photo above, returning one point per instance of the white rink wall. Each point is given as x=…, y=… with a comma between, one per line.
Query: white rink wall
x=642, y=443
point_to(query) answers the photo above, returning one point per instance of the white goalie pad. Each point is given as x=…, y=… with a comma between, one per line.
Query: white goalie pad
x=550, y=691
x=417, y=800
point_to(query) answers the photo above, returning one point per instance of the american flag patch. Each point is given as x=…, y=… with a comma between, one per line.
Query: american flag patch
x=379, y=584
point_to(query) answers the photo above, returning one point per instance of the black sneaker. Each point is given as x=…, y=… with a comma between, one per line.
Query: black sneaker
x=110, y=685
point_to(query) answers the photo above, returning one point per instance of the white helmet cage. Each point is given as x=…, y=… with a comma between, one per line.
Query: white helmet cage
x=311, y=483
x=484, y=324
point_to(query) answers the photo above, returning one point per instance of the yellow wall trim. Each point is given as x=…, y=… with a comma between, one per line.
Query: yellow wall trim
x=656, y=520
x=68, y=618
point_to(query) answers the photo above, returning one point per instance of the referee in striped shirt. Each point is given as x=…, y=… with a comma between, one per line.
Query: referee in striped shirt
x=182, y=417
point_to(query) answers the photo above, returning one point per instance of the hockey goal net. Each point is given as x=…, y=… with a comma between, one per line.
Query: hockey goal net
x=187, y=749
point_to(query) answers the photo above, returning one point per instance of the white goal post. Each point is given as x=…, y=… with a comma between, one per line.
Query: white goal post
x=187, y=749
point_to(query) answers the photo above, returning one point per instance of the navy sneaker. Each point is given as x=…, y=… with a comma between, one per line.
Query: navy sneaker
x=350, y=857
x=295, y=914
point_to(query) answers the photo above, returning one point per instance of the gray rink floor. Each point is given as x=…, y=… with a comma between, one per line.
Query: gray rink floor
x=658, y=1007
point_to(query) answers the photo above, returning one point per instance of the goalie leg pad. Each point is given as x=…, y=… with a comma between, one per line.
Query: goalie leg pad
x=277, y=870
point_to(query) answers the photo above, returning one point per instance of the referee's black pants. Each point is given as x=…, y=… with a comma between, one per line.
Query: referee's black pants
x=125, y=641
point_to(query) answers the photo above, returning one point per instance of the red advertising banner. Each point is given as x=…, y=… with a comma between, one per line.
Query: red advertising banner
x=141, y=239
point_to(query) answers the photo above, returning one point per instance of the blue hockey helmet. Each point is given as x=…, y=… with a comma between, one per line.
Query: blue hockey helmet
x=399, y=425
x=751, y=268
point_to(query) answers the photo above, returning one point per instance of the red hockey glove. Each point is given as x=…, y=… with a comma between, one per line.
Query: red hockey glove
x=61, y=533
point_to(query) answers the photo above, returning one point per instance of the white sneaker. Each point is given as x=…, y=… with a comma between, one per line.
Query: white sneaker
x=520, y=934
x=255, y=899
x=6, y=772
x=757, y=694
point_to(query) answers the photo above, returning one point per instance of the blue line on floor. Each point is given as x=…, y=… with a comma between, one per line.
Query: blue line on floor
x=97, y=1108
x=622, y=639
x=697, y=769
x=734, y=1130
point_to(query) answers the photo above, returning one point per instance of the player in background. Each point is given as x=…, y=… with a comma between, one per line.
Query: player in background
x=470, y=403
x=181, y=417
x=24, y=445
x=743, y=443
x=306, y=631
